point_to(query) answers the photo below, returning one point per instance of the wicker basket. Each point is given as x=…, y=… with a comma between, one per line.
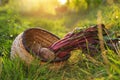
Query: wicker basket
x=30, y=41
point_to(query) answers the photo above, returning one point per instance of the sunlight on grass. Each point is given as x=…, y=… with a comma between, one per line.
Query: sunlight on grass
x=30, y=4
x=62, y=1
x=80, y=66
x=37, y=6
x=76, y=56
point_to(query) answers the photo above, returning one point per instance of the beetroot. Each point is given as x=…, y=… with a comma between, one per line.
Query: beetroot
x=84, y=40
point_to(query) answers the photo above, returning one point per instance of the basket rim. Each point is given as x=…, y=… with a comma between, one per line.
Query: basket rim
x=41, y=29
x=37, y=28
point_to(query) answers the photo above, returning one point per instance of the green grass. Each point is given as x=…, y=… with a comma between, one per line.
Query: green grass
x=79, y=66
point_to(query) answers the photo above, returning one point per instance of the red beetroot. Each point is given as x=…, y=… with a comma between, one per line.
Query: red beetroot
x=85, y=39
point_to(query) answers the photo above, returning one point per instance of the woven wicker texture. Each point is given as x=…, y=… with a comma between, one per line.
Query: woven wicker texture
x=30, y=41
x=18, y=49
x=33, y=39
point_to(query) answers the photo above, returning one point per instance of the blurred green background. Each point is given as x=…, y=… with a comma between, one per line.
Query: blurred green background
x=58, y=17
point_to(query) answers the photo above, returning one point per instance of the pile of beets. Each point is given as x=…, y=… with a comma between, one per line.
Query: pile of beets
x=86, y=39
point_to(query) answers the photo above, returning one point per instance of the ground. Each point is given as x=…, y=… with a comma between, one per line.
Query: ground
x=79, y=66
